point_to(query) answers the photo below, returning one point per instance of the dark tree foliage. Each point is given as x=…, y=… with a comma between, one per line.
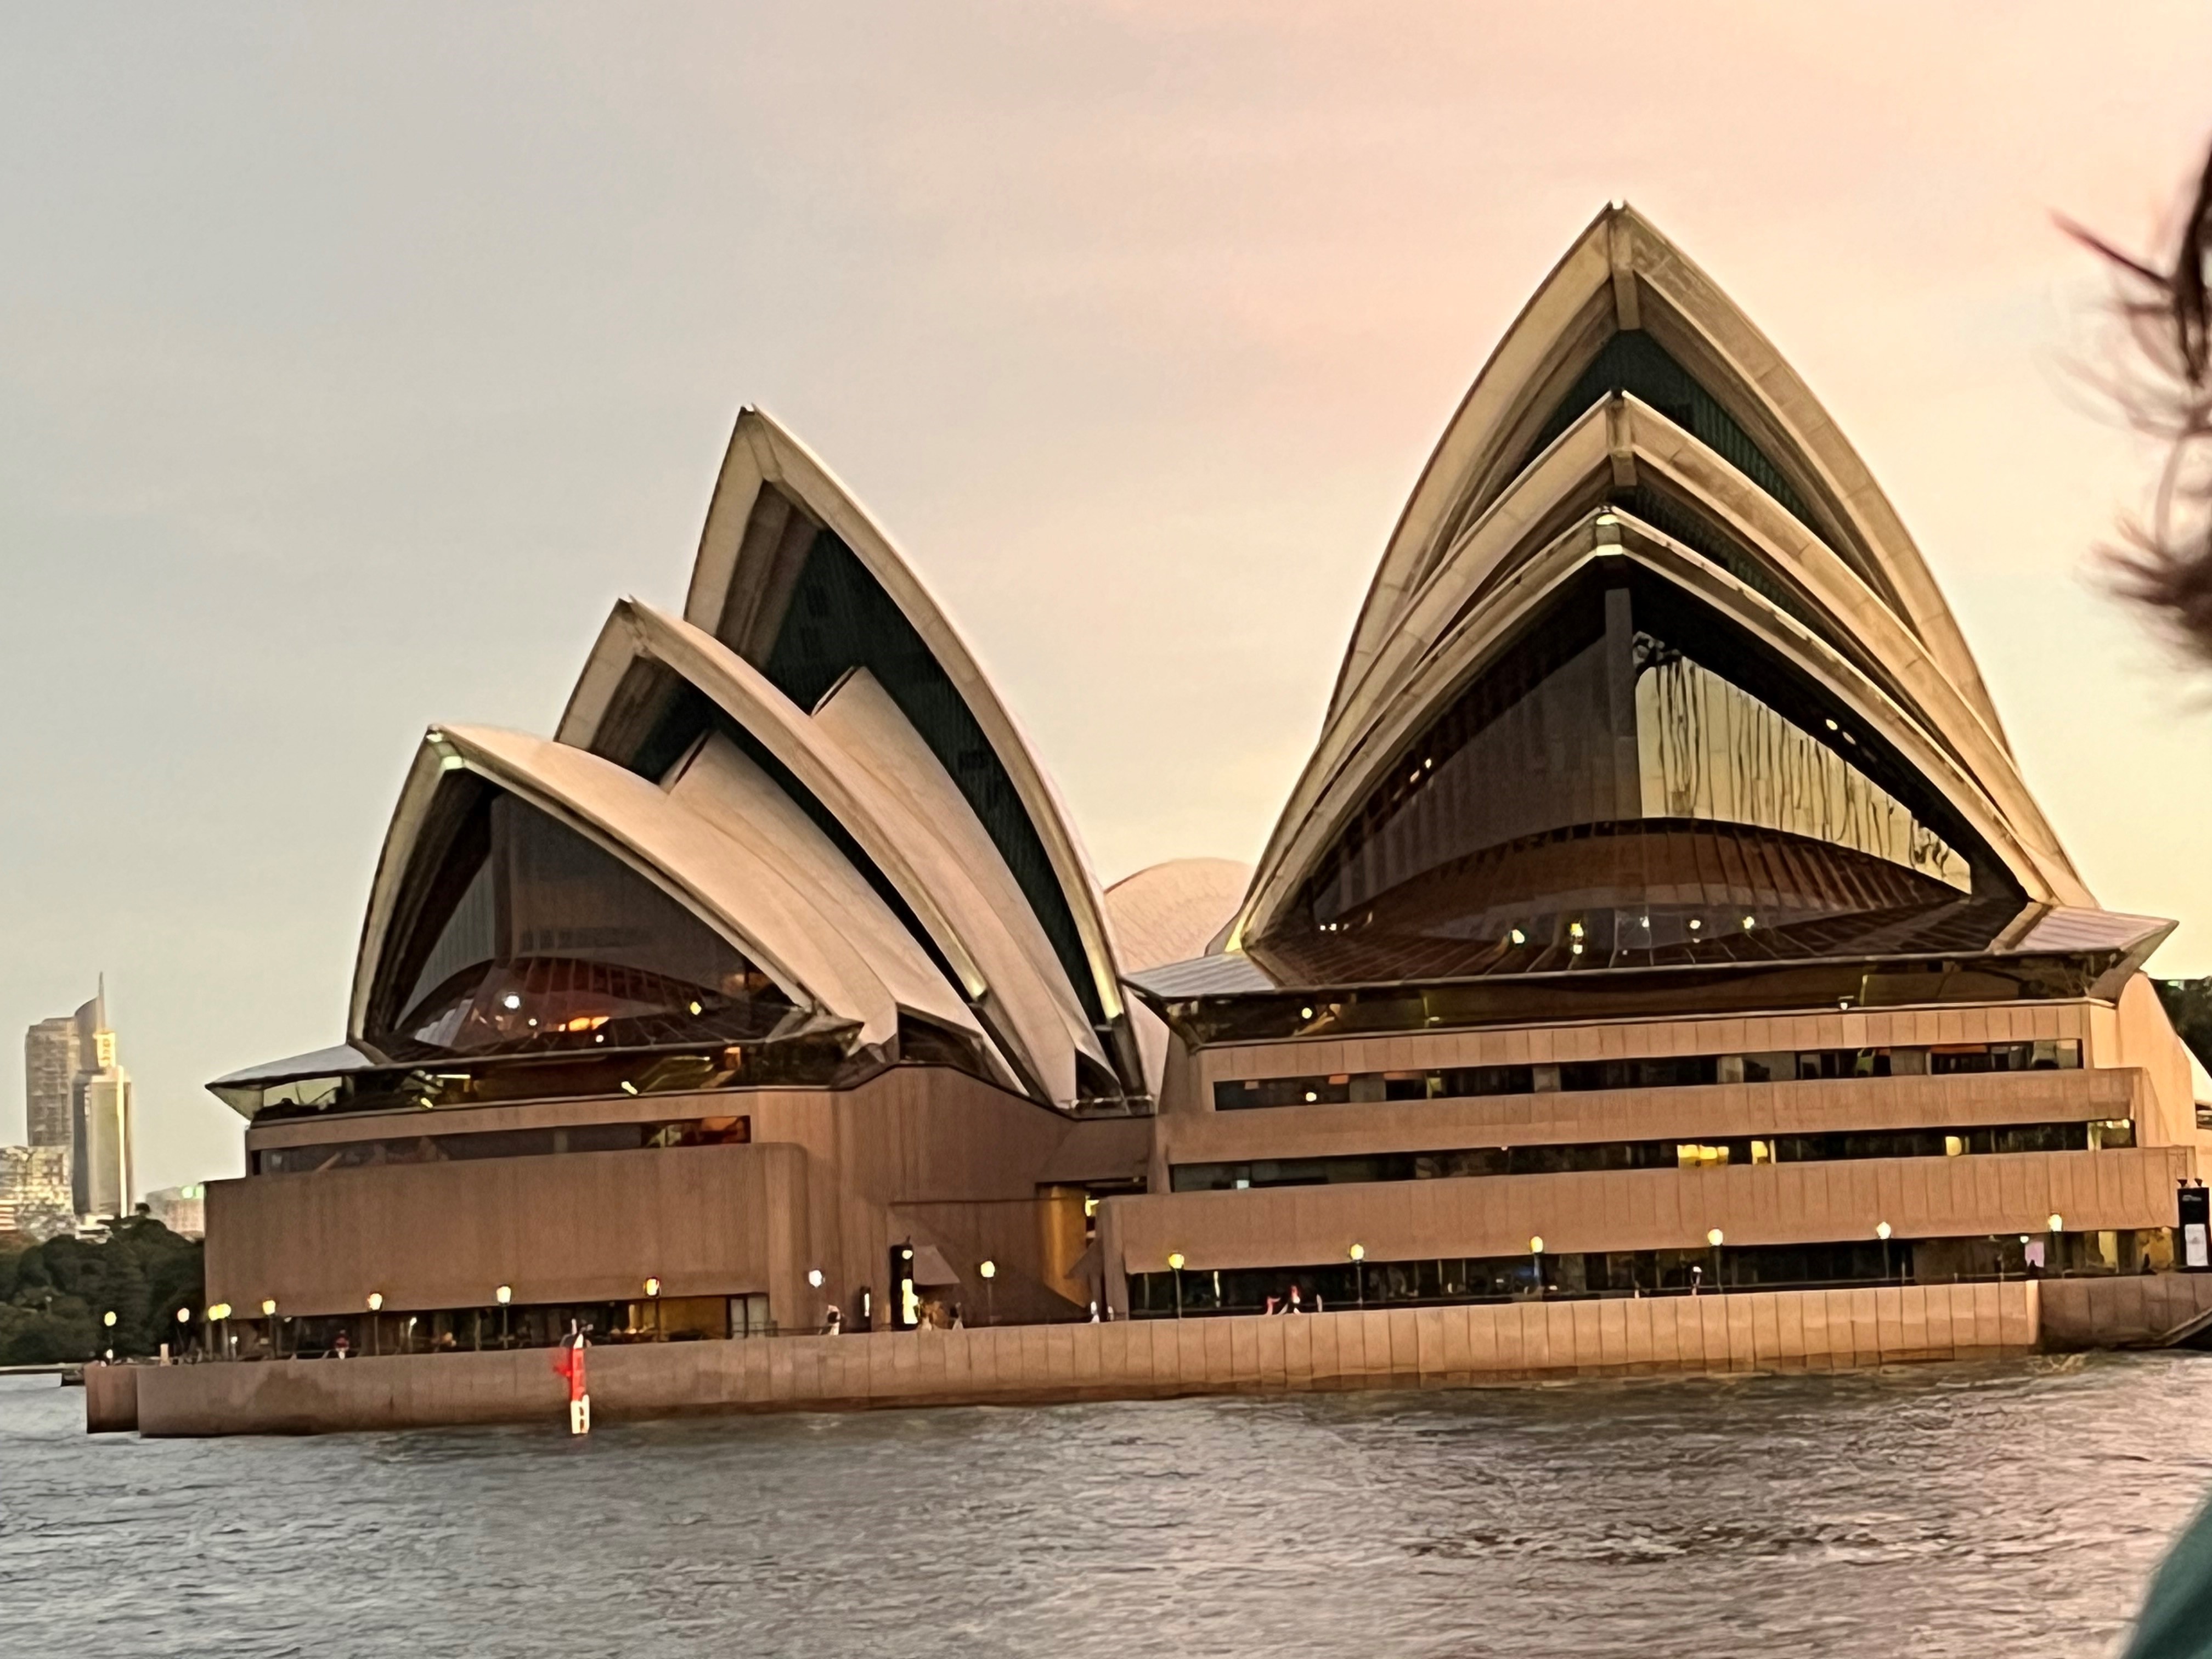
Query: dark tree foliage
x=52, y=1295
x=2189, y=1005
x=2163, y=382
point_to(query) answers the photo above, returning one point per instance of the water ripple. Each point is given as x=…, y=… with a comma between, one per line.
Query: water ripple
x=1924, y=1512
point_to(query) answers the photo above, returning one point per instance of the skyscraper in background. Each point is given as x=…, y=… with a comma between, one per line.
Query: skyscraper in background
x=53, y=1056
x=78, y=1098
x=104, y=1119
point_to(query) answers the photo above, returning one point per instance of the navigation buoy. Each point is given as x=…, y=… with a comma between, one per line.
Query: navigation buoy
x=569, y=1362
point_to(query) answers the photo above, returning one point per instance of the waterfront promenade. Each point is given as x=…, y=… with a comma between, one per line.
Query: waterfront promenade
x=1463, y=1345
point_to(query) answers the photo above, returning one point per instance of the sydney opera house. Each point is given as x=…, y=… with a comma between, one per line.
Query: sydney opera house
x=1661, y=909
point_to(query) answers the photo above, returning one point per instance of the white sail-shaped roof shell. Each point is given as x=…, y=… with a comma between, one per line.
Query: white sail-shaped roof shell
x=792, y=914
x=1620, y=275
x=738, y=576
x=1491, y=528
x=857, y=760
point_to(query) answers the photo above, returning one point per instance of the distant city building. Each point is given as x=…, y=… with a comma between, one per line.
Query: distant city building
x=35, y=1198
x=53, y=1056
x=79, y=1100
x=182, y=1210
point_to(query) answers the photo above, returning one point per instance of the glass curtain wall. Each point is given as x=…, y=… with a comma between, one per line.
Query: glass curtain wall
x=1638, y=775
x=534, y=939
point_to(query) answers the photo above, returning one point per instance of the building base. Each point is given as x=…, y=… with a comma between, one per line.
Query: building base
x=1407, y=1347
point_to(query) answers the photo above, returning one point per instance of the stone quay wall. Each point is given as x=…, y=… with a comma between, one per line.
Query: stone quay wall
x=2132, y=1310
x=1424, y=1347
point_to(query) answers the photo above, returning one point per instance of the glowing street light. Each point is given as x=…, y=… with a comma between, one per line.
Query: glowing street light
x=990, y=1272
x=1881, y=1232
x=503, y=1295
x=1358, y=1255
x=375, y=1300
x=1713, y=1238
x=1175, y=1266
x=814, y=1277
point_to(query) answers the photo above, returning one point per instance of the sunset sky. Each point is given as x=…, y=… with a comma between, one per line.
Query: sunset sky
x=353, y=361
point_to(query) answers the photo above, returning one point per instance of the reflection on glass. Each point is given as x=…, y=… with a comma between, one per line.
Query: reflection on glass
x=552, y=943
x=1635, y=775
x=1707, y=749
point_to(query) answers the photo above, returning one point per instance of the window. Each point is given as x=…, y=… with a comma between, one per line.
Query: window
x=1631, y=361
x=1662, y=1072
x=503, y=1143
x=530, y=937
x=1584, y=1157
x=1636, y=781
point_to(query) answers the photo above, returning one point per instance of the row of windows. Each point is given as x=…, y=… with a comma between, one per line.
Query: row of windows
x=1649, y=1155
x=469, y=1330
x=1342, y=1285
x=1666, y=1071
x=504, y=1143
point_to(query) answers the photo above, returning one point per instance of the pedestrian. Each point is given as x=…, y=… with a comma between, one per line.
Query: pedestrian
x=834, y=1321
x=1296, y=1307
x=342, y=1347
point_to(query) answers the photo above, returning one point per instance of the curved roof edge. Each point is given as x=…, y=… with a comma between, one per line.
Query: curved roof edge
x=1167, y=912
x=1302, y=839
x=1623, y=442
x=725, y=883
x=1039, y=1028
x=761, y=452
x=1622, y=274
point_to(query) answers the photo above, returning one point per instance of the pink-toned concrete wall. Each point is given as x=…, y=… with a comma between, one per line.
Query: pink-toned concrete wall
x=831, y=1180
x=1645, y=1209
x=1154, y=1358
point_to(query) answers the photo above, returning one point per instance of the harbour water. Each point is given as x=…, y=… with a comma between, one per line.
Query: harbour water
x=1931, y=1511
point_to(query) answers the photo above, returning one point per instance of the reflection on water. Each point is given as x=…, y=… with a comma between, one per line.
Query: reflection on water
x=2011, y=1509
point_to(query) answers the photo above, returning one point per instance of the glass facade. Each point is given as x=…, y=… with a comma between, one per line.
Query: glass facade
x=472, y=1330
x=1661, y=1071
x=1337, y=1286
x=1635, y=783
x=529, y=938
x=1835, y=1147
x=1633, y=361
x=503, y=1143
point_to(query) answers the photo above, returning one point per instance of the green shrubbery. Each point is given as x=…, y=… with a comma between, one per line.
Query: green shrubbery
x=52, y=1295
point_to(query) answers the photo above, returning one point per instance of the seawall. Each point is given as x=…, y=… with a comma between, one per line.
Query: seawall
x=1424, y=1347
